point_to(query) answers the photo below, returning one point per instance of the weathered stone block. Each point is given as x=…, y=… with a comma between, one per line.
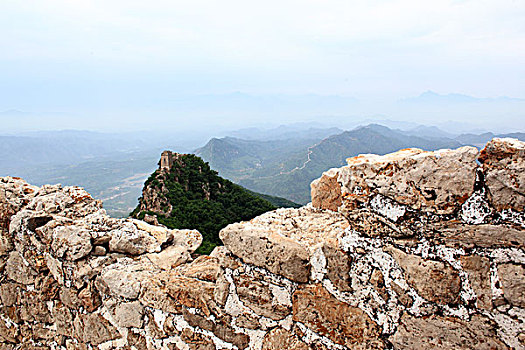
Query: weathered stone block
x=437, y=332
x=197, y=341
x=19, y=270
x=129, y=314
x=433, y=280
x=258, y=295
x=326, y=191
x=203, y=268
x=504, y=168
x=478, y=270
x=343, y=324
x=282, y=241
x=278, y=254
x=279, y=338
x=438, y=181
x=370, y=224
x=72, y=242
x=121, y=282
x=192, y=293
x=337, y=266
x=221, y=329
x=457, y=235
x=94, y=329
x=512, y=278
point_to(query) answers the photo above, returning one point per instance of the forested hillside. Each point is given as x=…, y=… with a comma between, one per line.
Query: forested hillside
x=190, y=195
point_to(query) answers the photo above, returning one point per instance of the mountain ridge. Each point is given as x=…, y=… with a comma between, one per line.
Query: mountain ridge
x=185, y=193
x=288, y=172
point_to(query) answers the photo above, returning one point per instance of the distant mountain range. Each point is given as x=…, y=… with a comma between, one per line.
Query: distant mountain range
x=279, y=161
x=285, y=132
x=285, y=168
x=434, y=97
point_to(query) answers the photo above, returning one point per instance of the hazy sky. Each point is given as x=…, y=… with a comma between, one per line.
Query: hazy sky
x=82, y=57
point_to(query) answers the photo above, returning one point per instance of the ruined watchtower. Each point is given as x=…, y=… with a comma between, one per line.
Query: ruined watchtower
x=166, y=160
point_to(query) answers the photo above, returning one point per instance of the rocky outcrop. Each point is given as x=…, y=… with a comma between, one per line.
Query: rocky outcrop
x=396, y=252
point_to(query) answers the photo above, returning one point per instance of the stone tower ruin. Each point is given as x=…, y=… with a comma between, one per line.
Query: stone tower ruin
x=166, y=160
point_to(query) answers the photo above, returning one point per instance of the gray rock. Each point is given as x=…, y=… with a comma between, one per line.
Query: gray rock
x=438, y=181
x=504, y=167
x=132, y=241
x=19, y=270
x=71, y=242
x=129, y=314
x=121, y=283
x=94, y=329
x=512, y=278
x=437, y=332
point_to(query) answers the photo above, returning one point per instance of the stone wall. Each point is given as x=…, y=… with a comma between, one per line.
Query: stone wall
x=413, y=250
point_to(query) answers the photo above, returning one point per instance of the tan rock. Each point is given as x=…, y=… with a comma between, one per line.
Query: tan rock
x=203, y=268
x=512, y=278
x=378, y=282
x=8, y=334
x=191, y=239
x=94, y=329
x=402, y=295
x=225, y=258
x=247, y=321
x=258, y=295
x=438, y=181
x=192, y=293
x=155, y=294
x=69, y=297
x=63, y=319
x=10, y=293
x=137, y=340
x=90, y=298
x=504, y=168
x=221, y=329
x=326, y=191
x=281, y=241
x=280, y=338
x=121, y=282
x=34, y=308
x=133, y=241
x=197, y=341
x=71, y=242
x=338, y=265
x=19, y=270
x=129, y=314
x=343, y=324
x=222, y=289
x=478, y=270
x=457, y=235
x=170, y=257
x=55, y=267
x=370, y=224
x=278, y=254
x=433, y=280
x=99, y=250
x=437, y=332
